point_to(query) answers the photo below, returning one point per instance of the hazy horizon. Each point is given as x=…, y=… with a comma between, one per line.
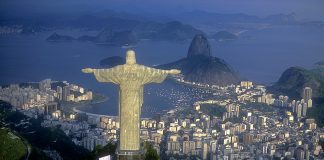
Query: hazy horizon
x=312, y=10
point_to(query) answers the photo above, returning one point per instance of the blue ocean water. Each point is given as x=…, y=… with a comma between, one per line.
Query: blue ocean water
x=258, y=55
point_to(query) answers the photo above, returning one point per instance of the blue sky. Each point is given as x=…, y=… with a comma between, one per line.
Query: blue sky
x=310, y=9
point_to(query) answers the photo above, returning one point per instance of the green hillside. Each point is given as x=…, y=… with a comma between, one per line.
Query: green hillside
x=11, y=146
x=294, y=79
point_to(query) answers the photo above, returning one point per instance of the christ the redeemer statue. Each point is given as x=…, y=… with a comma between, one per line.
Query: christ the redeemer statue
x=131, y=78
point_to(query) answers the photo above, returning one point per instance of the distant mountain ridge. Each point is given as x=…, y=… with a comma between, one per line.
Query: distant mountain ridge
x=120, y=34
x=105, y=37
x=173, y=30
x=59, y=37
x=108, y=36
x=117, y=21
x=224, y=35
x=211, y=17
x=112, y=61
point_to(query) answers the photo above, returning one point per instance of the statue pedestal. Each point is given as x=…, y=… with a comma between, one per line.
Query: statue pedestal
x=129, y=155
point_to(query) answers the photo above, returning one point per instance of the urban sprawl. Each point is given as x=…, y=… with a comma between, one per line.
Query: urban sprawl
x=279, y=128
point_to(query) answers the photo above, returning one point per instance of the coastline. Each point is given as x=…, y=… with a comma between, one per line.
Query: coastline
x=75, y=108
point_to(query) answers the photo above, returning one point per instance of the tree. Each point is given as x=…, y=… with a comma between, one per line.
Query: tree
x=150, y=152
x=109, y=149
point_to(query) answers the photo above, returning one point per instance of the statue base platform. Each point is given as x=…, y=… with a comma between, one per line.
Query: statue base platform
x=130, y=155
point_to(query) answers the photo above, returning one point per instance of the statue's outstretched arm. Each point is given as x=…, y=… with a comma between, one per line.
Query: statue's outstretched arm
x=173, y=71
x=88, y=70
x=157, y=75
x=103, y=75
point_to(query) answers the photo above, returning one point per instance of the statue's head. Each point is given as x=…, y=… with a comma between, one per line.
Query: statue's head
x=130, y=57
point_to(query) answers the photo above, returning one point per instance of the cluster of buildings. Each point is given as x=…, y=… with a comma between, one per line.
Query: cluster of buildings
x=258, y=134
x=44, y=95
x=181, y=80
x=298, y=107
x=262, y=135
x=44, y=98
x=4, y=30
x=80, y=128
x=89, y=130
x=26, y=97
x=249, y=93
x=74, y=93
x=232, y=110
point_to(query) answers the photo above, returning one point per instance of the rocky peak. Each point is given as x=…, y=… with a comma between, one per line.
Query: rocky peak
x=199, y=47
x=199, y=65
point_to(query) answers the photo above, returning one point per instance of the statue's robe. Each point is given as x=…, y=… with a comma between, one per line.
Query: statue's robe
x=131, y=80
